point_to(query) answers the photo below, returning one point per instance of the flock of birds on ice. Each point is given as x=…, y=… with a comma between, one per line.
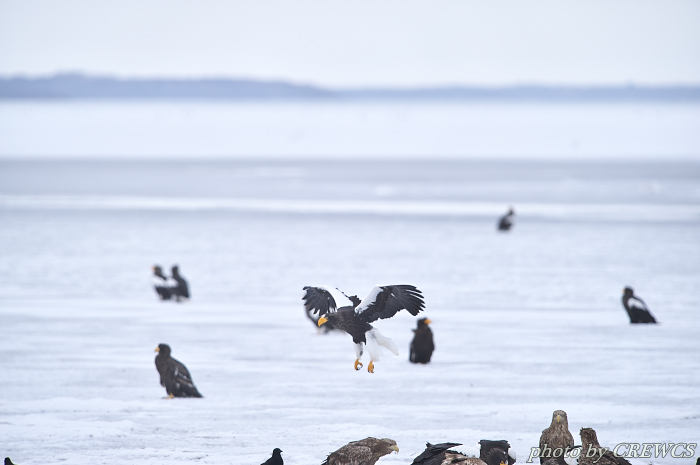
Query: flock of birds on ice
x=332, y=310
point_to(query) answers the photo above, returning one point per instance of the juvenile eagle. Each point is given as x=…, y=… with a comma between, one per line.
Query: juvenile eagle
x=557, y=436
x=354, y=317
x=422, y=345
x=174, y=376
x=506, y=221
x=636, y=308
x=589, y=441
x=364, y=452
x=276, y=458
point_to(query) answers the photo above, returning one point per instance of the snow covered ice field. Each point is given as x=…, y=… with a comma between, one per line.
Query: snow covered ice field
x=525, y=322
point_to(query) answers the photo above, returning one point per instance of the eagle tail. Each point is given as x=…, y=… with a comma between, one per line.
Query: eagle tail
x=384, y=341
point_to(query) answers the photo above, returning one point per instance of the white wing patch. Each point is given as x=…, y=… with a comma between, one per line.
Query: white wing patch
x=636, y=303
x=339, y=297
x=370, y=299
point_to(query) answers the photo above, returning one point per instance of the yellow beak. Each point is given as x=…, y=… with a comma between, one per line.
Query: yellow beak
x=558, y=418
x=322, y=320
x=157, y=349
x=427, y=322
x=396, y=448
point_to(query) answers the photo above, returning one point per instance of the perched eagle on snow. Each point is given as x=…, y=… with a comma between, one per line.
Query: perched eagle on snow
x=636, y=308
x=354, y=316
x=422, y=345
x=589, y=441
x=174, y=376
x=557, y=436
x=364, y=452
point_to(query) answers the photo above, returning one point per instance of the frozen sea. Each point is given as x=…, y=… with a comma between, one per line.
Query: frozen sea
x=525, y=322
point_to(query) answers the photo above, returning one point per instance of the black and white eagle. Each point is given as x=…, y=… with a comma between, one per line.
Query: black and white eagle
x=161, y=283
x=174, y=376
x=636, y=308
x=355, y=317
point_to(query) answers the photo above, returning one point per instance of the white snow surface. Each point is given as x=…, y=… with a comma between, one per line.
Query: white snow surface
x=525, y=323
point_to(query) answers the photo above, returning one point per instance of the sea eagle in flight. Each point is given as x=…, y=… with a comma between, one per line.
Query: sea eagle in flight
x=636, y=308
x=355, y=317
x=364, y=452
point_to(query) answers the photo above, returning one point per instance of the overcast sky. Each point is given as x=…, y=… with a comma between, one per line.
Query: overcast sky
x=359, y=43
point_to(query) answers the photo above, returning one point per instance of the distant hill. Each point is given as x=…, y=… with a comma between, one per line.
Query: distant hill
x=78, y=86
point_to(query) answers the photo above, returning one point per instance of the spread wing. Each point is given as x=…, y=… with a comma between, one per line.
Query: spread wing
x=324, y=299
x=384, y=301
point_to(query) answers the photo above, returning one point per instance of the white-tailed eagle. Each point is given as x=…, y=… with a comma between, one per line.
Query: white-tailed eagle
x=354, y=316
x=557, y=436
x=364, y=452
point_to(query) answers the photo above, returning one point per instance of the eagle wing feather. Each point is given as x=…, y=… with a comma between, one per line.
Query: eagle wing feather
x=324, y=299
x=384, y=301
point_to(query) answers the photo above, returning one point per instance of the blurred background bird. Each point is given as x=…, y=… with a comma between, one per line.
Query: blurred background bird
x=637, y=310
x=422, y=345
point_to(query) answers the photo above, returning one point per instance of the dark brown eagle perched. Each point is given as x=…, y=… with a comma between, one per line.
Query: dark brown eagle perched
x=556, y=436
x=174, y=376
x=364, y=452
x=589, y=440
x=422, y=345
x=354, y=316
x=637, y=310
x=496, y=452
x=439, y=454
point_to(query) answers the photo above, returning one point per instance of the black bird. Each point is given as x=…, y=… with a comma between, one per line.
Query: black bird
x=174, y=376
x=422, y=345
x=8, y=461
x=160, y=283
x=636, y=308
x=434, y=454
x=496, y=452
x=506, y=221
x=276, y=458
x=180, y=289
x=354, y=318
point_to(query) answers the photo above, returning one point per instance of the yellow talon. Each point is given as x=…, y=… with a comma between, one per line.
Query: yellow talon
x=358, y=365
x=370, y=367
